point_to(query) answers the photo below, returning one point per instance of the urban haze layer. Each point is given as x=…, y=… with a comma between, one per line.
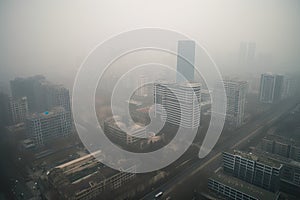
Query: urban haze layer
x=148, y=96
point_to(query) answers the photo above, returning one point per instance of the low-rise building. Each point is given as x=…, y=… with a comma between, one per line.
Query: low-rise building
x=259, y=170
x=281, y=146
x=123, y=133
x=86, y=178
x=236, y=189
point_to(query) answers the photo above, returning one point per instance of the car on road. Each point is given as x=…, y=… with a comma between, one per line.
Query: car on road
x=158, y=195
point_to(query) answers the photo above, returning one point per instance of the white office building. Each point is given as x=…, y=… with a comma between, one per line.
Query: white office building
x=179, y=103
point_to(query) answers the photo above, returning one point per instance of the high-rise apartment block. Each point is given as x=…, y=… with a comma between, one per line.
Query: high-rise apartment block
x=56, y=95
x=271, y=88
x=18, y=110
x=236, y=99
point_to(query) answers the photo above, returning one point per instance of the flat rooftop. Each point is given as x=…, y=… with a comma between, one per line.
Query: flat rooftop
x=258, y=157
x=243, y=186
x=82, y=173
x=278, y=159
x=47, y=114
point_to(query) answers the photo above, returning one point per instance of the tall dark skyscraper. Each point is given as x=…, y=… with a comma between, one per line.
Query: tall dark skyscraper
x=185, y=60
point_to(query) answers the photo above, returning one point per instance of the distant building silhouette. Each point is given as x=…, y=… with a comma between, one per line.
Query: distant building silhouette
x=4, y=111
x=185, y=60
x=271, y=88
x=41, y=94
x=290, y=87
x=56, y=95
x=247, y=54
x=30, y=88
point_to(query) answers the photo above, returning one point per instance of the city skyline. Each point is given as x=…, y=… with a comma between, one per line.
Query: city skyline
x=143, y=100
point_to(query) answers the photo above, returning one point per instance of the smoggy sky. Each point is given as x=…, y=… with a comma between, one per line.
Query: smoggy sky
x=53, y=37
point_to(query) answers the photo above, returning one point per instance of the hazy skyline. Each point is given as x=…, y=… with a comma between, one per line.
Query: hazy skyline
x=53, y=37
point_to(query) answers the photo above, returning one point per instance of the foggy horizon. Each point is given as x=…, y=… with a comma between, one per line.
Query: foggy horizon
x=53, y=37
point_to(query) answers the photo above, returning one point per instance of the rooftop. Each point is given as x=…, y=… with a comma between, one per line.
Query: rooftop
x=118, y=123
x=243, y=186
x=82, y=173
x=278, y=159
x=259, y=157
x=46, y=114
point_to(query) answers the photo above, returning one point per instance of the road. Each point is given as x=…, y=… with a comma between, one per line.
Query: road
x=179, y=184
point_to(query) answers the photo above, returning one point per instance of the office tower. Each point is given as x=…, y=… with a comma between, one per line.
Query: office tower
x=236, y=189
x=236, y=99
x=259, y=170
x=44, y=127
x=129, y=134
x=185, y=60
x=18, y=109
x=30, y=88
x=271, y=88
x=169, y=95
x=87, y=178
x=4, y=111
